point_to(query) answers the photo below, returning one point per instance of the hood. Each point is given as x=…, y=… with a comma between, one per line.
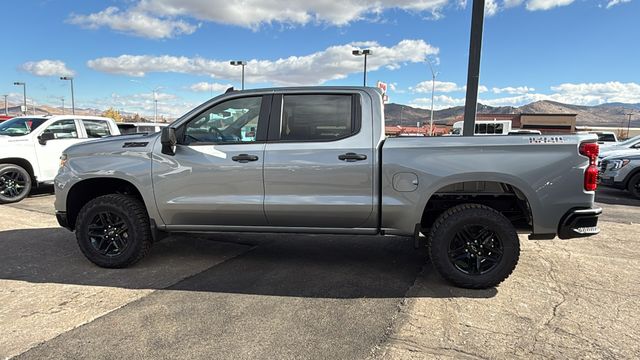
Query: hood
x=618, y=153
x=114, y=144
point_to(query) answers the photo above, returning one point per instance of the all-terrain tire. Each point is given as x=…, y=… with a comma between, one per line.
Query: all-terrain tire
x=446, y=232
x=130, y=213
x=634, y=186
x=15, y=183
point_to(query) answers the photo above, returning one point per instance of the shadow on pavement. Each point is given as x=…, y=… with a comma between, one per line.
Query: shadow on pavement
x=42, y=190
x=308, y=266
x=615, y=197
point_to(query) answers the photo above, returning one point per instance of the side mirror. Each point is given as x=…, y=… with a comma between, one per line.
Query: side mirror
x=168, y=141
x=44, y=137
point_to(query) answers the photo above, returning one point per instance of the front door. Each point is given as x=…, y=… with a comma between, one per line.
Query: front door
x=65, y=134
x=215, y=177
x=318, y=168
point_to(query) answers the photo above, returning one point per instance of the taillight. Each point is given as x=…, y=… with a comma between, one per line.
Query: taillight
x=591, y=151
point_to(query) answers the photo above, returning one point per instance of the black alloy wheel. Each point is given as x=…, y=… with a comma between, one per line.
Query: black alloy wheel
x=475, y=250
x=15, y=183
x=108, y=234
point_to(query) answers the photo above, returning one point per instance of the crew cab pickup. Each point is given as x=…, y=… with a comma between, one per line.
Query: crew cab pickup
x=316, y=160
x=30, y=148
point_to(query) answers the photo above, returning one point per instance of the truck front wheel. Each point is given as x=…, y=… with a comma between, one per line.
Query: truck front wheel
x=473, y=246
x=15, y=183
x=113, y=231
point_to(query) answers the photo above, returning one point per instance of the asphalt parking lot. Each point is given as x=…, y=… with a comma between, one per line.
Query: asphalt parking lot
x=320, y=297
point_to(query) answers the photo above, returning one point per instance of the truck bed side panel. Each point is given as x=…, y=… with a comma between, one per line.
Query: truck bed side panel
x=550, y=175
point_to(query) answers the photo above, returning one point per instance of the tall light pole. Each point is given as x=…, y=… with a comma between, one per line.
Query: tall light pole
x=62, y=99
x=239, y=63
x=24, y=95
x=629, y=125
x=155, y=98
x=73, y=102
x=433, y=89
x=365, y=52
x=6, y=105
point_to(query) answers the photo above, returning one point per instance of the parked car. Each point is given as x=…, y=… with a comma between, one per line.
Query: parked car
x=632, y=144
x=605, y=137
x=30, y=148
x=140, y=127
x=4, y=118
x=319, y=162
x=622, y=171
x=485, y=127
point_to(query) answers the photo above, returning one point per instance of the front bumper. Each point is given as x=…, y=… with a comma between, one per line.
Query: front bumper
x=579, y=223
x=61, y=216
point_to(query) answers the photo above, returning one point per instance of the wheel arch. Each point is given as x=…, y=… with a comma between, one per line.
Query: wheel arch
x=86, y=190
x=510, y=196
x=23, y=163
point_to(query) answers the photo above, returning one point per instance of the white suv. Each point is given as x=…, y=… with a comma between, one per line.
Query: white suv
x=30, y=148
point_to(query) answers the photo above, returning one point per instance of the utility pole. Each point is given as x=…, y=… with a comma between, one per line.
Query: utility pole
x=73, y=103
x=473, y=75
x=24, y=95
x=433, y=89
x=365, y=52
x=240, y=63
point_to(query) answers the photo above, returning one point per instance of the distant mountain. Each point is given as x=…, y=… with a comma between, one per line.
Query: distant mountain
x=612, y=114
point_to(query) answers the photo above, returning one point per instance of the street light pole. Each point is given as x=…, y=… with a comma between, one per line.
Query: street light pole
x=239, y=63
x=6, y=105
x=629, y=125
x=24, y=95
x=433, y=89
x=62, y=99
x=73, y=103
x=365, y=52
x=155, y=100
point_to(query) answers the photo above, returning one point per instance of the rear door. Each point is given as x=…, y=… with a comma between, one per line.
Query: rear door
x=318, y=168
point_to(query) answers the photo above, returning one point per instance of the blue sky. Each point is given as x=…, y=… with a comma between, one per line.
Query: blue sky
x=574, y=51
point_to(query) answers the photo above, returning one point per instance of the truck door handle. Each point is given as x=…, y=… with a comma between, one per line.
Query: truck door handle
x=351, y=157
x=244, y=158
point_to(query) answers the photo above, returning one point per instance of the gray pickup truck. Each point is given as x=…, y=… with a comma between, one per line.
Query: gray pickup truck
x=316, y=160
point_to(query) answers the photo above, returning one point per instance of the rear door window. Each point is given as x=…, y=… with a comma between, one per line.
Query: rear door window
x=317, y=117
x=96, y=128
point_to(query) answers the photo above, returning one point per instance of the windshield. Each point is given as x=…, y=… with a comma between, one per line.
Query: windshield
x=20, y=126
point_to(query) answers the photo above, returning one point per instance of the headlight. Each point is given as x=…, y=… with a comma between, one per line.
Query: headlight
x=63, y=160
x=619, y=164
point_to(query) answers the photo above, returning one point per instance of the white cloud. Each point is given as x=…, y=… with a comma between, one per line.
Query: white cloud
x=513, y=90
x=47, y=68
x=209, y=87
x=335, y=62
x=169, y=105
x=534, y=5
x=440, y=86
x=439, y=102
x=134, y=22
x=253, y=13
x=612, y=3
x=588, y=94
x=598, y=93
x=491, y=7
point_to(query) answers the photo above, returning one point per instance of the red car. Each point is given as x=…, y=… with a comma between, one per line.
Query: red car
x=5, y=118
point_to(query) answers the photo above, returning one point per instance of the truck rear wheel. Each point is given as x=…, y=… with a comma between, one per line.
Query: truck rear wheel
x=473, y=246
x=113, y=231
x=15, y=183
x=634, y=186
